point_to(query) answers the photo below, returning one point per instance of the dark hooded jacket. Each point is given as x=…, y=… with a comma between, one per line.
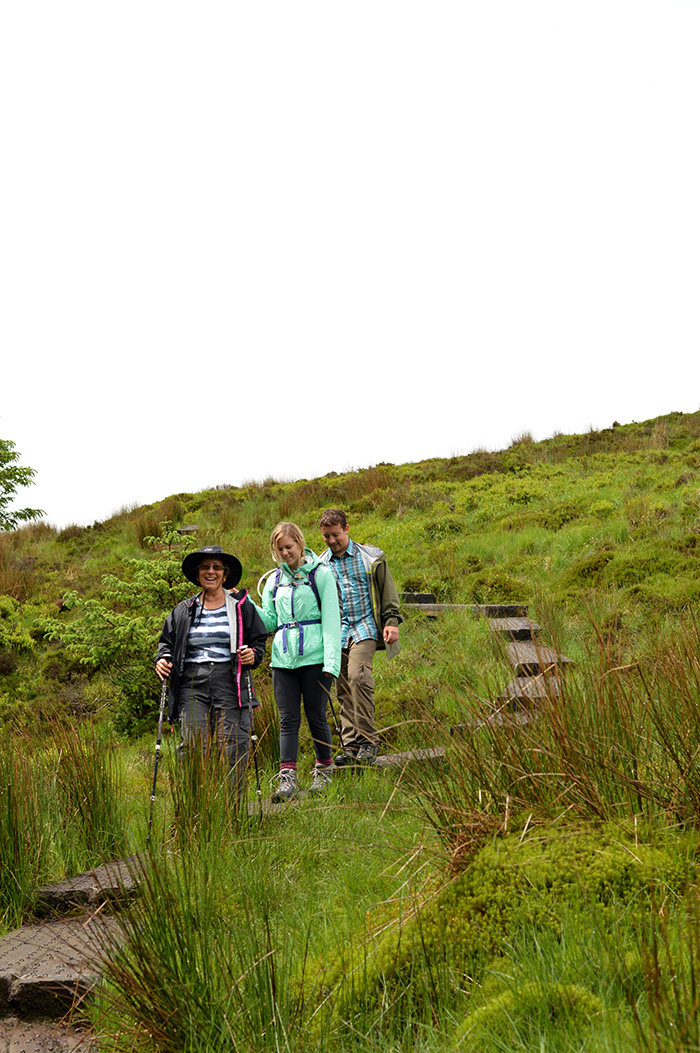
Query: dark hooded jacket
x=246, y=627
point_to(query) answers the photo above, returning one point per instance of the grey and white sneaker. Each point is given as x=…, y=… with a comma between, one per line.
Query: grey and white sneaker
x=367, y=754
x=288, y=786
x=345, y=760
x=321, y=778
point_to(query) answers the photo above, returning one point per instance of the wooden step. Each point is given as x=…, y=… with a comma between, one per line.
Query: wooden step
x=500, y=719
x=501, y=610
x=515, y=628
x=531, y=658
x=482, y=610
x=528, y=689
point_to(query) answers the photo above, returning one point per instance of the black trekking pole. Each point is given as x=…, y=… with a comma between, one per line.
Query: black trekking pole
x=335, y=720
x=254, y=737
x=163, y=696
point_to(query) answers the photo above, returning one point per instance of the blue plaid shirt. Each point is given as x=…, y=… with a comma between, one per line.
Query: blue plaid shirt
x=358, y=621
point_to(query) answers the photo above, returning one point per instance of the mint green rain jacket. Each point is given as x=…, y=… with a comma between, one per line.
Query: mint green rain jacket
x=305, y=633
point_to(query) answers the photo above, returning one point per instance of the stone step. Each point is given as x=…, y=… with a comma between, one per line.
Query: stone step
x=42, y=1036
x=387, y=761
x=49, y=968
x=113, y=882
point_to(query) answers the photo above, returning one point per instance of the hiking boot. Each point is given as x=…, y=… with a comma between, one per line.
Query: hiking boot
x=321, y=778
x=367, y=754
x=288, y=786
x=345, y=759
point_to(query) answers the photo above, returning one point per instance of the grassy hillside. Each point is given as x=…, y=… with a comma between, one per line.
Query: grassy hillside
x=536, y=891
x=590, y=530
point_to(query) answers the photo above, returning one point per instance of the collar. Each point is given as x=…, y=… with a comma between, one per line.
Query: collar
x=349, y=551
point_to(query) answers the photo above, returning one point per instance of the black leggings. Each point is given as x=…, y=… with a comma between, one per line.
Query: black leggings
x=292, y=686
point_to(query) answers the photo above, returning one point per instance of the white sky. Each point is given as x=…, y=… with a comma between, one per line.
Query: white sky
x=252, y=239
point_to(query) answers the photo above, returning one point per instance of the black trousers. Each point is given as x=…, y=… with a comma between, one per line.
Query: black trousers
x=309, y=686
x=209, y=709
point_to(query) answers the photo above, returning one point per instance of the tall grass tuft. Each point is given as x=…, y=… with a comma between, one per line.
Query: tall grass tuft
x=22, y=844
x=204, y=803
x=609, y=742
x=87, y=787
x=184, y=974
x=668, y=946
x=17, y=573
x=61, y=812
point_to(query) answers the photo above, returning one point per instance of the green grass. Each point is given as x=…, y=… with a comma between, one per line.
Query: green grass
x=231, y=908
x=537, y=890
x=62, y=811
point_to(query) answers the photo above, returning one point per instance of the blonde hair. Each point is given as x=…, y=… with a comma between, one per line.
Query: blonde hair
x=294, y=533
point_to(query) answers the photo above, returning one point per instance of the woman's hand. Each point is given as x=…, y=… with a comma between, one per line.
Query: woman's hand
x=246, y=655
x=163, y=667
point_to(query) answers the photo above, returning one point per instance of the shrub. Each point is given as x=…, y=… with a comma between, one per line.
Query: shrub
x=497, y=586
x=14, y=637
x=588, y=570
x=602, y=509
x=118, y=634
x=442, y=526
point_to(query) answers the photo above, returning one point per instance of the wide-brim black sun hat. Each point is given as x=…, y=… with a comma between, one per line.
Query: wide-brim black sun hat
x=190, y=565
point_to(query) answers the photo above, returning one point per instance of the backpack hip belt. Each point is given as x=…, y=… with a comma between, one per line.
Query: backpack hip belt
x=300, y=627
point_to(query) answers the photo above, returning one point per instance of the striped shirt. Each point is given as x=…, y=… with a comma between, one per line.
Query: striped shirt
x=209, y=638
x=358, y=621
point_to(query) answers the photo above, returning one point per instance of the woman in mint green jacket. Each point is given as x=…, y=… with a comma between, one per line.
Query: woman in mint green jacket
x=300, y=605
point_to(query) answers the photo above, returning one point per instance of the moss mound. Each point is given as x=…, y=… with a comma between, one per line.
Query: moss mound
x=516, y=1019
x=509, y=883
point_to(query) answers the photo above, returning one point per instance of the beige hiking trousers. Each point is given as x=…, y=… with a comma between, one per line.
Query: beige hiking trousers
x=355, y=689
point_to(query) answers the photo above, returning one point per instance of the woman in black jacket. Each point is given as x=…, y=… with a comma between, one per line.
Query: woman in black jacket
x=208, y=646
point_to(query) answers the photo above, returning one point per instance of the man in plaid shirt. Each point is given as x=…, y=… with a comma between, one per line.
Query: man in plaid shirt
x=370, y=621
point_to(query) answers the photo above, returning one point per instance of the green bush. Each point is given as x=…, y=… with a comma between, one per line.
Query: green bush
x=117, y=635
x=442, y=526
x=14, y=636
x=496, y=586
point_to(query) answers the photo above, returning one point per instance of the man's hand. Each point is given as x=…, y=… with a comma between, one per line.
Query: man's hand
x=391, y=634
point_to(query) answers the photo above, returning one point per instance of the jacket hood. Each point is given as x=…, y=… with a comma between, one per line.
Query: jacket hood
x=310, y=561
x=370, y=553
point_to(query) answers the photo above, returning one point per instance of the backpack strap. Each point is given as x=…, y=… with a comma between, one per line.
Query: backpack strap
x=314, y=586
x=311, y=581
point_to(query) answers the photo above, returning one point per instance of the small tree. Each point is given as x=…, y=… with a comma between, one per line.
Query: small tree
x=12, y=476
